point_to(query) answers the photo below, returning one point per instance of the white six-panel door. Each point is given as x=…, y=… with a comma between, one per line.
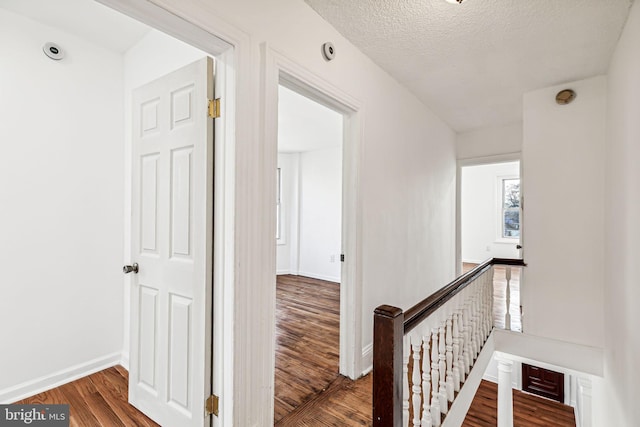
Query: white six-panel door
x=172, y=201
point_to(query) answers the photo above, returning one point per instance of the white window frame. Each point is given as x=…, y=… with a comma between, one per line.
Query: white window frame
x=500, y=238
x=280, y=240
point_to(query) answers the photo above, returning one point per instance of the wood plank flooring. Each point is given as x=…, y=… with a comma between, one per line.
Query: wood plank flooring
x=309, y=390
x=307, y=340
x=344, y=403
x=528, y=410
x=98, y=400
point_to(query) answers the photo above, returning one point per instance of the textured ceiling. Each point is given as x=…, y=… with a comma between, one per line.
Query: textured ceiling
x=472, y=62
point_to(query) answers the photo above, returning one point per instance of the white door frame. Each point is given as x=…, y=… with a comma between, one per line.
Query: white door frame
x=475, y=161
x=245, y=158
x=230, y=48
x=281, y=70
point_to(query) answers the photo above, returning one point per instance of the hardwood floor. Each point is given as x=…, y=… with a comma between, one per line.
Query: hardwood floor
x=528, y=410
x=307, y=340
x=97, y=400
x=309, y=391
x=100, y=400
x=344, y=403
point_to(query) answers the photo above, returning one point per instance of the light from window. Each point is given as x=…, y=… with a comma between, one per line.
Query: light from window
x=511, y=208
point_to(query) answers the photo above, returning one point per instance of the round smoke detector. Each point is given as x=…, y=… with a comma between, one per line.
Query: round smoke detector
x=565, y=97
x=53, y=51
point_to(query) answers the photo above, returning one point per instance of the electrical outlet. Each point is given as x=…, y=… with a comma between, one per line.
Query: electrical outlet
x=488, y=248
x=332, y=258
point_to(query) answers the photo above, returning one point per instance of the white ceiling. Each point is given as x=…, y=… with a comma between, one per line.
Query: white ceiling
x=471, y=63
x=305, y=125
x=84, y=18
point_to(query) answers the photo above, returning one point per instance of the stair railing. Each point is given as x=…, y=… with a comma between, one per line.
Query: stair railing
x=422, y=357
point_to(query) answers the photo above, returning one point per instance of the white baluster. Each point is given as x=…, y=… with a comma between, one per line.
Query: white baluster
x=435, y=401
x=478, y=319
x=426, y=382
x=473, y=330
x=442, y=367
x=468, y=360
x=489, y=299
x=415, y=380
x=406, y=349
x=486, y=329
x=449, y=358
x=483, y=308
x=507, y=316
x=491, y=293
x=456, y=353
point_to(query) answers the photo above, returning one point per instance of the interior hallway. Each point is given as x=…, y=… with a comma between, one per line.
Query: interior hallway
x=100, y=400
x=309, y=390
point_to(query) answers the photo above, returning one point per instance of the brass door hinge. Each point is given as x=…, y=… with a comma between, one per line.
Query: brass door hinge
x=211, y=405
x=214, y=108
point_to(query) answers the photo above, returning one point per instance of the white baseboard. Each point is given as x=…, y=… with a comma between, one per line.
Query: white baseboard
x=307, y=274
x=124, y=360
x=318, y=276
x=367, y=359
x=56, y=379
x=494, y=379
x=491, y=378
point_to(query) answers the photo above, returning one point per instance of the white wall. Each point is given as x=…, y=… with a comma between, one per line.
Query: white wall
x=155, y=55
x=321, y=213
x=490, y=141
x=563, y=174
x=480, y=212
x=622, y=293
x=311, y=214
x=61, y=168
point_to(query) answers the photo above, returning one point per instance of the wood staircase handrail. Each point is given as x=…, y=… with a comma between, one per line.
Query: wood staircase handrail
x=426, y=307
x=390, y=327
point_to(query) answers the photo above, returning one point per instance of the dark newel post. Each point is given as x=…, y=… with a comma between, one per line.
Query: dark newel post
x=388, y=331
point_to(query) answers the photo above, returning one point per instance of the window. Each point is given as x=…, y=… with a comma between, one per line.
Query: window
x=510, y=218
x=279, y=204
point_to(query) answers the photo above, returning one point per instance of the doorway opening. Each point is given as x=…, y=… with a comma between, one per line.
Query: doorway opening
x=490, y=226
x=89, y=96
x=308, y=249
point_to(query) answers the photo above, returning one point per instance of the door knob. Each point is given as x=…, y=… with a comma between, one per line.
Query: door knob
x=518, y=247
x=130, y=268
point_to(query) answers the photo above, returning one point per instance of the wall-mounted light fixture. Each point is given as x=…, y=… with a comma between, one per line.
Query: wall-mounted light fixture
x=565, y=97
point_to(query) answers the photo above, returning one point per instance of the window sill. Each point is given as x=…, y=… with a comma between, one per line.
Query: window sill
x=507, y=241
